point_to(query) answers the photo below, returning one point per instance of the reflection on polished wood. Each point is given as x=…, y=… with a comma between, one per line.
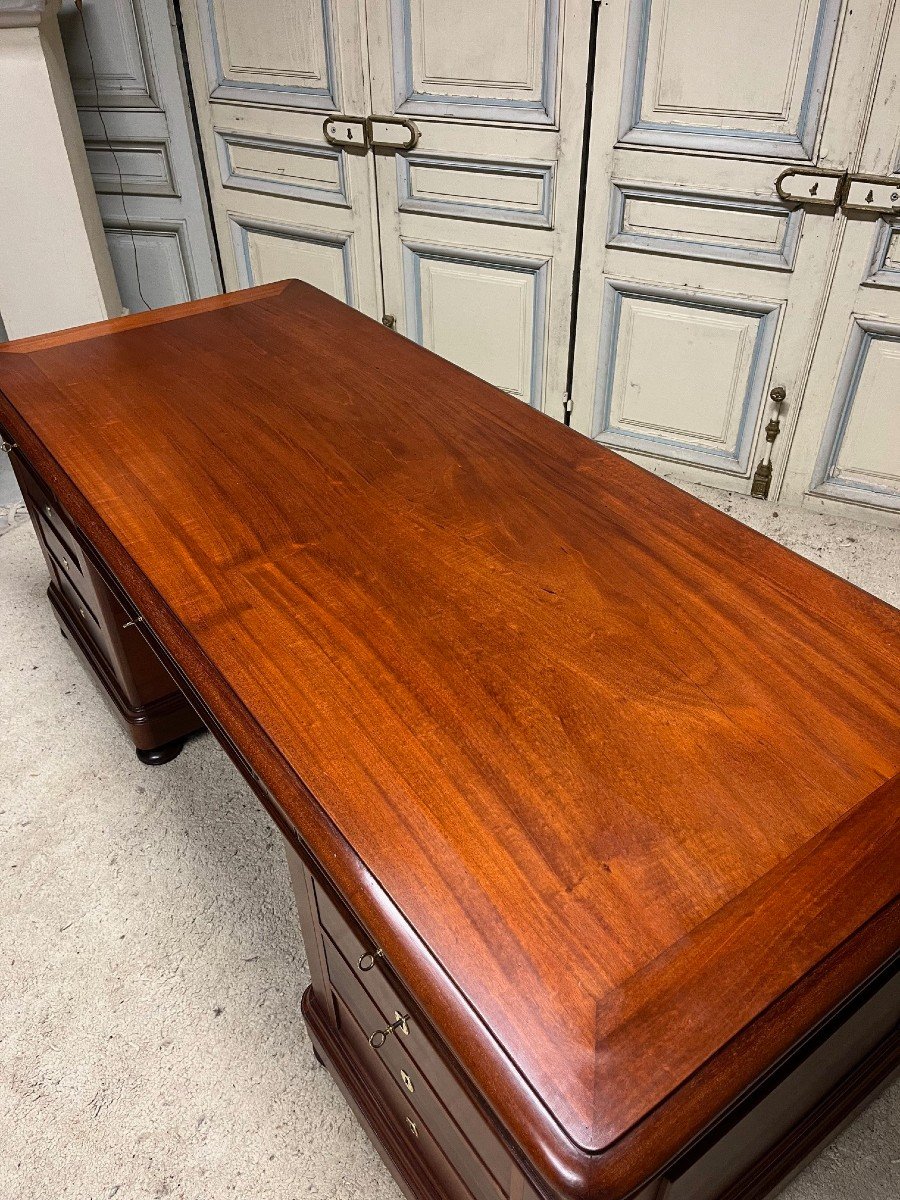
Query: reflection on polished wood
x=610, y=779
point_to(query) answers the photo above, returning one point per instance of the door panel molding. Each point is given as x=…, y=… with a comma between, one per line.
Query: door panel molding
x=335, y=277
x=329, y=186
x=884, y=269
x=770, y=241
x=150, y=164
x=441, y=94
x=836, y=474
x=122, y=60
x=312, y=88
x=415, y=196
x=531, y=273
x=746, y=131
x=720, y=439
x=163, y=253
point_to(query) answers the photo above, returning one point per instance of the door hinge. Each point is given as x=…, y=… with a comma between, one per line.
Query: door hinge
x=567, y=408
x=762, y=476
x=389, y=320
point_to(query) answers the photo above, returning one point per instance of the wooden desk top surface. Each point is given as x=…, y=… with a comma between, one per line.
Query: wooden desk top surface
x=605, y=772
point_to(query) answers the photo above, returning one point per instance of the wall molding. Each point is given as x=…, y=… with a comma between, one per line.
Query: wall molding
x=781, y=258
x=826, y=480
x=732, y=461
x=22, y=14
x=636, y=131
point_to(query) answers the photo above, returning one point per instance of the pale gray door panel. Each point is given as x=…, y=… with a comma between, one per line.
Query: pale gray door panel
x=141, y=149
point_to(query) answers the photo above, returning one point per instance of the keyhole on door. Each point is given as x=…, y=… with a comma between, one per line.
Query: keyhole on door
x=349, y=135
x=814, y=189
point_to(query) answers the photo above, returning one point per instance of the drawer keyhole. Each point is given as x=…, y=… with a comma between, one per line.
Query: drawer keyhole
x=407, y=1082
x=413, y=1126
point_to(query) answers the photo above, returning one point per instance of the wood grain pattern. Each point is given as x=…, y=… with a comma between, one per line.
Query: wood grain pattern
x=611, y=778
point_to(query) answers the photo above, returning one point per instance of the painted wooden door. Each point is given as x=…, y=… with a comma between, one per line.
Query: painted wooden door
x=477, y=221
x=846, y=448
x=703, y=289
x=141, y=149
x=286, y=202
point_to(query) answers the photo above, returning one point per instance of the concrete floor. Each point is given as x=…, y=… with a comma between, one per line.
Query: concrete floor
x=151, y=1043
x=9, y=489
x=12, y=511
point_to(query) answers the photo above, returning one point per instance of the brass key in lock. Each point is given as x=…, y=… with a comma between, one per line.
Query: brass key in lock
x=380, y=1036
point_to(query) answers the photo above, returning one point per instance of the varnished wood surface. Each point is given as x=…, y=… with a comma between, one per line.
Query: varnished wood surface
x=611, y=777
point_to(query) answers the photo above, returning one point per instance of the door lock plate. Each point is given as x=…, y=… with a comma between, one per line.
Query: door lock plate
x=810, y=186
x=392, y=133
x=346, y=131
x=871, y=193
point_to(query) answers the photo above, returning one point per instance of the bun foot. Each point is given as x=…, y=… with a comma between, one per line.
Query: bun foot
x=161, y=754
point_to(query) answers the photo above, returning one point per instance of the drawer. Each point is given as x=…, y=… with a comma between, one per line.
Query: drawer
x=411, y=1125
x=89, y=617
x=379, y=988
x=59, y=542
x=464, y=1136
x=74, y=574
x=33, y=489
x=82, y=607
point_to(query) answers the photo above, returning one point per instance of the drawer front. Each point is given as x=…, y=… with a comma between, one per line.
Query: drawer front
x=394, y=1063
x=64, y=555
x=59, y=542
x=89, y=615
x=80, y=605
x=413, y=1127
x=32, y=488
x=478, y=1156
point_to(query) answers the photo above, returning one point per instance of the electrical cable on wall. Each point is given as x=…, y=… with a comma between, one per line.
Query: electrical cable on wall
x=115, y=157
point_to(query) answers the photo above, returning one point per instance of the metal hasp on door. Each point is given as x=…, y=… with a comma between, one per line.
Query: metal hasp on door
x=466, y=234
x=346, y=131
x=810, y=186
x=871, y=193
x=392, y=133
x=363, y=133
x=839, y=189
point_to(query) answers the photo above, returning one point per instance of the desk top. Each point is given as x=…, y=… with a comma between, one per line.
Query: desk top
x=611, y=777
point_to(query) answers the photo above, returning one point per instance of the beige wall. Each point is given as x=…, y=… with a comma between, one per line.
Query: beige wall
x=55, y=269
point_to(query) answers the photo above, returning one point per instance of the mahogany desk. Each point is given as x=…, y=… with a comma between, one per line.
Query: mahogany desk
x=590, y=792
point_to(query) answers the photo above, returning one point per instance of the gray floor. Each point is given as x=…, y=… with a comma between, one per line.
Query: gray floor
x=150, y=1038
x=9, y=489
x=12, y=510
